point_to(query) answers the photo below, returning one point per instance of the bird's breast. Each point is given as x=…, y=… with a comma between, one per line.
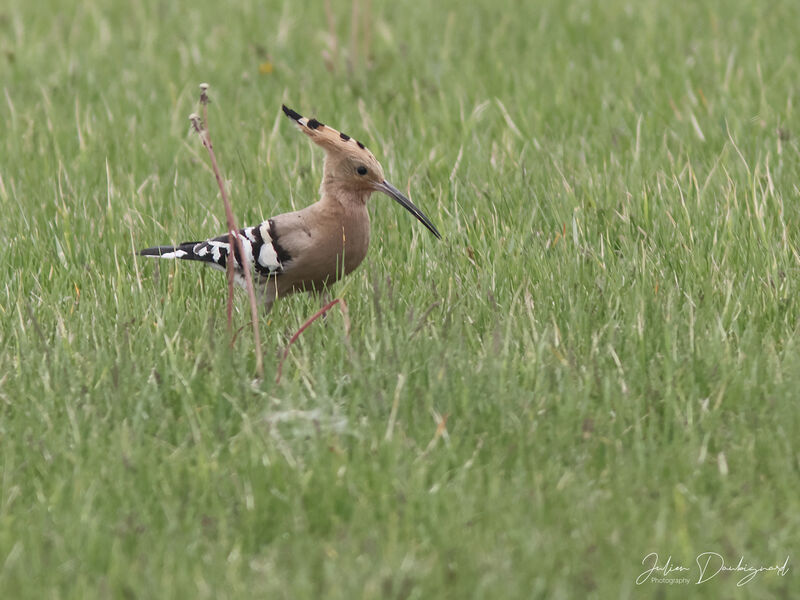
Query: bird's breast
x=326, y=250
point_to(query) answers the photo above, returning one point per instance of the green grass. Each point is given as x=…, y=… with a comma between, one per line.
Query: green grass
x=626, y=388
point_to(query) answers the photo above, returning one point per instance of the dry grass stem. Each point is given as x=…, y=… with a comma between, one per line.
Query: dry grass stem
x=233, y=238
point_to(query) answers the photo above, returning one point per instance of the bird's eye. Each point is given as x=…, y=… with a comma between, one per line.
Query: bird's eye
x=362, y=170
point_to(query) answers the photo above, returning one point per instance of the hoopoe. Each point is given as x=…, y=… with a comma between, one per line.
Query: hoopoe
x=306, y=250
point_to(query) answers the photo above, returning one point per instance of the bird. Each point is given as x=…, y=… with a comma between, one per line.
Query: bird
x=309, y=249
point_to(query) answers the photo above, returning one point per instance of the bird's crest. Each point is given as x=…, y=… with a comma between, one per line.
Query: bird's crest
x=328, y=137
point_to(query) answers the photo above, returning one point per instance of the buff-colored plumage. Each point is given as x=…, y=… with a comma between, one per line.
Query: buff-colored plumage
x=306, y=250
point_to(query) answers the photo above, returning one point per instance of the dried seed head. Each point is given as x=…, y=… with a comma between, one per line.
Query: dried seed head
x=203, y=94
x=195, y=120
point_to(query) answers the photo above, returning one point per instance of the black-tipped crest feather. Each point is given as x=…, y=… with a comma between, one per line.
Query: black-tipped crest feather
x=290, y=113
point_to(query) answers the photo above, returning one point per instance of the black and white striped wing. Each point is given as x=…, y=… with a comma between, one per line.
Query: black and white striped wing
x=260, y=249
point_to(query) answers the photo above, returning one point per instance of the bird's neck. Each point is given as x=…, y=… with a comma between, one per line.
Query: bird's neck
x=334, y=192
x=345, y=218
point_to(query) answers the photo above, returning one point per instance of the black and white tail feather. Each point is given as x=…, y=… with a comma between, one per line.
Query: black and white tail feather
x=259, y=244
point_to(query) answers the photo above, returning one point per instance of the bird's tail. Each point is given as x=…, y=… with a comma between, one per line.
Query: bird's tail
x=261, y=250
x=184, y=251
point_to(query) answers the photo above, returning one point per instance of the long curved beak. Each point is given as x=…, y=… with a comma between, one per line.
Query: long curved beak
x=391, y=191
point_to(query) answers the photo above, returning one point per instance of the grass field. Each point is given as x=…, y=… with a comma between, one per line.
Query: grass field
x=609, y=328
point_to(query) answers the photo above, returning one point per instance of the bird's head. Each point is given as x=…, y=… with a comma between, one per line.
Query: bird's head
x=350, y=168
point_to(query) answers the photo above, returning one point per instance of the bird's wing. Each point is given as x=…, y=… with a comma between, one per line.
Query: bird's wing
x=259, y=244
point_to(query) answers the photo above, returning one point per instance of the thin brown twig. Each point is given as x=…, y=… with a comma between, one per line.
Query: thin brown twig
x=229, y=265
x=342, y=306
x=232, y=230
x=422, y=320
x=236, y=334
